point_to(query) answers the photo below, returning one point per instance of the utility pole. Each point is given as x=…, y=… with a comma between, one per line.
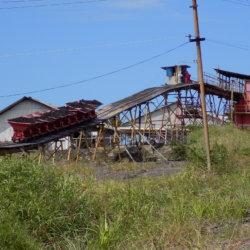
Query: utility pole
x=198, y=40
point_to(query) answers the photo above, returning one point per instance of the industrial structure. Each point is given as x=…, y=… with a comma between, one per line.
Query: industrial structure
x=29, y=127
x=153, y=116
x=21, y=107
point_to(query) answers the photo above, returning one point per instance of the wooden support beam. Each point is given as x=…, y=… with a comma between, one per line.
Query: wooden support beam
x=98, y=141
x=152, y=146
x=54, y=153
x=79, y=146
x=41, y=154
x=71, y=140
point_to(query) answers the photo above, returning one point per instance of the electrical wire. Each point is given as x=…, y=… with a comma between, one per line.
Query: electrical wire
x=51, y=4
x=22, y=1
x=237, y=2
x=99, y=76
x=44, y=52
x=242, y=47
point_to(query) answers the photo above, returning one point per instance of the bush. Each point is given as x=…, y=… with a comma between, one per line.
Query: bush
x=48, y=205
x=14, y=235
x=229, y=148
x=179, y=151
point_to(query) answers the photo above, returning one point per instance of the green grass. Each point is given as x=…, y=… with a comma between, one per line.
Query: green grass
x=230, y=148
x=43, y=208
x=45, y=205
x=171, y=211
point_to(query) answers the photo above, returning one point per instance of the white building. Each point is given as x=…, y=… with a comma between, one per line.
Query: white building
x=24, y=106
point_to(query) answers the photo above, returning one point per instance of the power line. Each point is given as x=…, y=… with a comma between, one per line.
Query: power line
x=51, y=4
x=44, y=52
x=99, y=76
x=22, y=1
x=242, y=47
x=237, y=2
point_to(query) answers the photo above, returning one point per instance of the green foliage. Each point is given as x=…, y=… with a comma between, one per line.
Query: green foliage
x=179, y=151
x=220, y=158
x=43, y=208
x=230, y=148
x=49, y=205
x=14, y=235
x=150, y=211
x=244, y=151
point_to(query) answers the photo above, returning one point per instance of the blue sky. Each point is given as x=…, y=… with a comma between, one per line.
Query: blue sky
x=51, y=46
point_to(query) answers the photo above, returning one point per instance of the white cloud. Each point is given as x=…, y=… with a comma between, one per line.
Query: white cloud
x=136, y=4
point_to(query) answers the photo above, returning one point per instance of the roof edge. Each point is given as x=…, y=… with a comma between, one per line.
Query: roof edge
x=23, y=99
x=232, y=74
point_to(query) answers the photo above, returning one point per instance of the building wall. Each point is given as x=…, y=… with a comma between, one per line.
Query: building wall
x=160, y=118
x=24, y=108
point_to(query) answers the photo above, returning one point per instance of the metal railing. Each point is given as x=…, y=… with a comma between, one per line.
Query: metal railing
x=226, y=85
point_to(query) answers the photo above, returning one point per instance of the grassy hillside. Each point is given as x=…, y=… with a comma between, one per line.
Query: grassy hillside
x=43, y=208
x=230, y=148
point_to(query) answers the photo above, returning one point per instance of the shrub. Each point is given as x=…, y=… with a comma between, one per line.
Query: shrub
x=49, y=205
x=229, y=148
x=14, y=235
x=179, y=151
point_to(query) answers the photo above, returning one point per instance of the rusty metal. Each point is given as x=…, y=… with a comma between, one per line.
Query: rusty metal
x=153, y=116
x=42, y=123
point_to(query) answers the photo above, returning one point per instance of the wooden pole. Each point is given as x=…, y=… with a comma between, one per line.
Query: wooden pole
x=118, y=139
x=140, y=139
x=198, y=39
x=70, y=147
x=98, y=140
x=79, y=147
x=232, y=102
x=54, y=154
x=41, y=154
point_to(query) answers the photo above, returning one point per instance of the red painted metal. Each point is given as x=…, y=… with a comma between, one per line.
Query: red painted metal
x=242, y=109
x=41, y=123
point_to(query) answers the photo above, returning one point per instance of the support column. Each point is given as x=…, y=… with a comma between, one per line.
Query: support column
x=79, y=147
x=198, y=39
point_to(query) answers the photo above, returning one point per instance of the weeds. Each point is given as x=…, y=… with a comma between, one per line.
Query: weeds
x=48, y=205
x=230, y=149
x=44, y=208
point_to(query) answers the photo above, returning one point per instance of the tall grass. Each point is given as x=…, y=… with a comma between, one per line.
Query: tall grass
x=230, y=148
x=43, y=208
x=171, y=212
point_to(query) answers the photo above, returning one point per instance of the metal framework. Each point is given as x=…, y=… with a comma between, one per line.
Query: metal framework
x=167, y=115
x=153, y=116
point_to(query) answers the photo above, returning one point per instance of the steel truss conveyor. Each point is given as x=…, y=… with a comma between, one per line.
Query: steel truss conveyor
x=67, y=126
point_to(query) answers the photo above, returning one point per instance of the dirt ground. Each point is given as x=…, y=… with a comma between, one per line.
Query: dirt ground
x=102, y=172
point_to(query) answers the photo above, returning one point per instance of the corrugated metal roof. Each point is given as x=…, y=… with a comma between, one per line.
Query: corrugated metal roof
x=146, y=95
x=232, y=74
x=181, y=66
x=139, y=98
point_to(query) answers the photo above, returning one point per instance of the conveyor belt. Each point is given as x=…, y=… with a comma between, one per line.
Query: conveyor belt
x=141, y=97
x=113, y=109
x=9, y=146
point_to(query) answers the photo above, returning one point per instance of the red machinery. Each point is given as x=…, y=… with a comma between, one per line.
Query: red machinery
x=41, y=123
x=242, y=110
